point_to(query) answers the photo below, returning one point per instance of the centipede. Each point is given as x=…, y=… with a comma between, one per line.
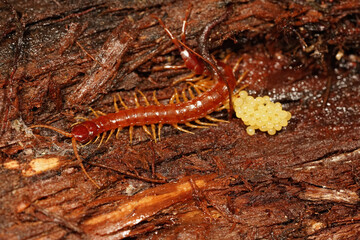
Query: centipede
x=199, y=100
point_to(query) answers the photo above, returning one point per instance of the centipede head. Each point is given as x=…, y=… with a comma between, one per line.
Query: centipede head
x=82, y=132
x=85, y=131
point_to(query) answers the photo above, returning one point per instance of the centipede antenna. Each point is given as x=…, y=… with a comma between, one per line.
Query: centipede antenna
x=73, y=141
x=66, y=134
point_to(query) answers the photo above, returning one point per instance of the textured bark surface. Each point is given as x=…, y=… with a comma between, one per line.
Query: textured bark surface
x=61, y=57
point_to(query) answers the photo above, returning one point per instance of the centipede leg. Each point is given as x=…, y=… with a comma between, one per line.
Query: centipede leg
x=174, y=97
x=94, y=112
x=177, y=98
x=153, y=129
x=111, y=132
x=205, y=123
x=122, y=102
x=147, y=130
x=115, y=105
x=181, y=129
x=83, y=145
x=97, y=138
x=159, y=131
x=155, y=99
x=193, y=125
x=208, y=117
x=102, y=139
x=136, y=100
x=117, y=133
x=184, y=95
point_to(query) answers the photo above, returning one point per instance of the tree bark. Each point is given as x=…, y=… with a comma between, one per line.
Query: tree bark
x=59, y=58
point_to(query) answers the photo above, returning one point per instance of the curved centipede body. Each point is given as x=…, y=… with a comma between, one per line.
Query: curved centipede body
x=193, y=107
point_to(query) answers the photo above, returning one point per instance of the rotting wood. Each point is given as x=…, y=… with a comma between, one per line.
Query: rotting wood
x=301, y=183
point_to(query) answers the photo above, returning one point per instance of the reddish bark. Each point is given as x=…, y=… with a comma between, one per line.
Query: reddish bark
x=60, y=58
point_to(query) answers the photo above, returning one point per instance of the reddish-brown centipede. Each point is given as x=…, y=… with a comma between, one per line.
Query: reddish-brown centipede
x=176, y=112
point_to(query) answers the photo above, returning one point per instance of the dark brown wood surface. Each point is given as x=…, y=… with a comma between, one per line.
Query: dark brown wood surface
x=58, y=58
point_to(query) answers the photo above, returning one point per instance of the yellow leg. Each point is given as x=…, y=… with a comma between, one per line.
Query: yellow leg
x=101, y=113
x=115, y=105
x=194, y=126
x=184, y=95
x=183, y=78
x=237, y=64
x=177, y=98
x=94, y=112
x=159, y=131
x=117, y=133
x=191, y=93
x=147, y=130
x=155, y=99
x=97, y=138
x=111, y=132
x=145, y=99
x=196, y=88
x=153, y=129
x=102, y=139
x=181, y=129
x=208, y=117
x=136, y=100
x=122, y=102
x=174, y=96
x=205, y=123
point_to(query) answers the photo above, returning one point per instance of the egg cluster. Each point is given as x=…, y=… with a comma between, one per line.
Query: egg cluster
x=260, y=113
